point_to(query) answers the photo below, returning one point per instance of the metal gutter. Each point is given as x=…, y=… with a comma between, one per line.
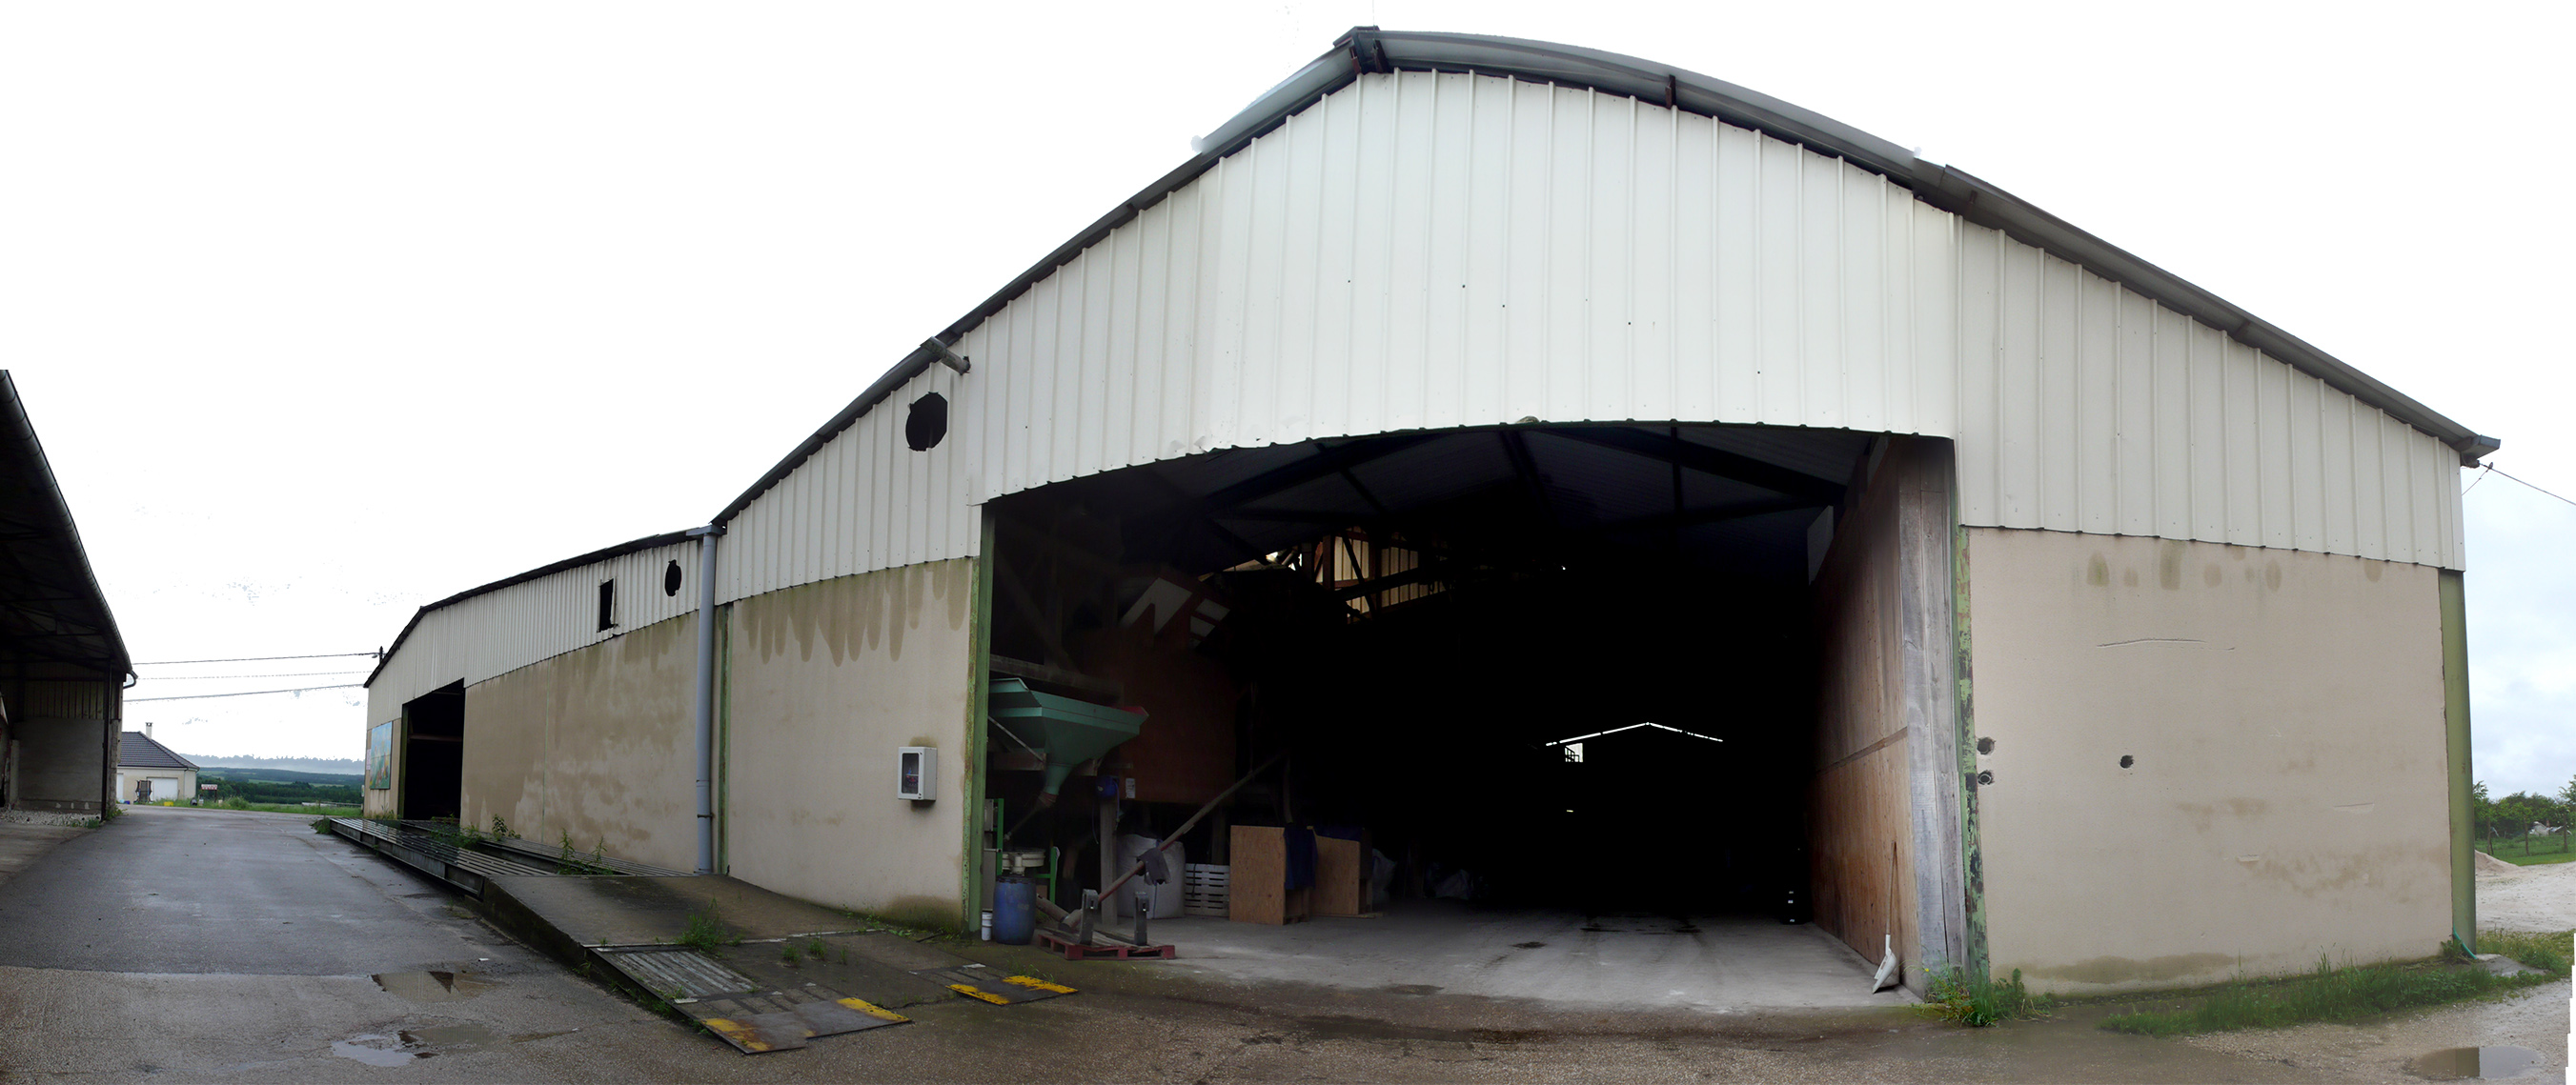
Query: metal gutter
x=620, y=550
x=1370, y=50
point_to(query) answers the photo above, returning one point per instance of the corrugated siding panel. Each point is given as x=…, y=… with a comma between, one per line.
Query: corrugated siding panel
x=2084, y=407
x=84, y=699
x=501, y=631
x=865, y=500
x=1430, y=251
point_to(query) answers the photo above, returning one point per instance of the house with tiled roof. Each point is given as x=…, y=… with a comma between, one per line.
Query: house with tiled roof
x=147, y=771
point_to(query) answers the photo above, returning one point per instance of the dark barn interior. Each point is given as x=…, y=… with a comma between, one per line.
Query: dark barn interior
x=1412, y=625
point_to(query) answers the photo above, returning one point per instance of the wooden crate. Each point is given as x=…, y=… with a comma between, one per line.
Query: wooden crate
x=1257, y=879
x=1203, y=889
x=1341, y=876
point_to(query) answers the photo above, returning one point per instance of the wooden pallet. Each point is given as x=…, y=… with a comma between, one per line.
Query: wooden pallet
x=1203, y=889
x=1076, y=951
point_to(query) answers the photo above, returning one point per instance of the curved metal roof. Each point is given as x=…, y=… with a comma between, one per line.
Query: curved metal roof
x=1368, y=49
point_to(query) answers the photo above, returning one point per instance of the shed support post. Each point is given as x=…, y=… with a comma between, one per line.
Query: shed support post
x=1920, y=469
x=2455, y=726
x=705, y=695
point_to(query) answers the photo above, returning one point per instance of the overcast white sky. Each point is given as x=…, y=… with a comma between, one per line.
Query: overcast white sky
x=325, y=311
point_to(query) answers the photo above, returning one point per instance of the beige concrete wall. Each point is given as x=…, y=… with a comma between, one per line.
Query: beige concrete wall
x=596, y=742
x=825, y=681
x=2287, y=799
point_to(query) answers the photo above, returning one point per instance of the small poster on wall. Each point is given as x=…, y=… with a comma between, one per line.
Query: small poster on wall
x=380, y=757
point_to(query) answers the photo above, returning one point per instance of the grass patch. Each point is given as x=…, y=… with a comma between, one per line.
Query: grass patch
x=2327, y=994
x=707, y=931
x=1979, y=1003
x=2530, y=850
x=2551, y=953
x=283, y=808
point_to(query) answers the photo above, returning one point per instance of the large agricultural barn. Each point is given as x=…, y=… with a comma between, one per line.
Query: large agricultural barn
x=2001, y=593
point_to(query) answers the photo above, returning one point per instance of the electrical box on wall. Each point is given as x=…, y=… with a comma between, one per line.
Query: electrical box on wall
x=918, y=767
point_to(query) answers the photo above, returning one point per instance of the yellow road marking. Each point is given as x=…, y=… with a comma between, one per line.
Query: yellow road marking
x=873, y=1010
x=1033, y=981
x=742, y=1035
x=971, y=992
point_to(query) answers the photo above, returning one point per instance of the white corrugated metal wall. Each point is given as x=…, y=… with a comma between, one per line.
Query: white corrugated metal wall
x=864, y=501
x=2084, y=407
x=1436, y=250
x=508, y=628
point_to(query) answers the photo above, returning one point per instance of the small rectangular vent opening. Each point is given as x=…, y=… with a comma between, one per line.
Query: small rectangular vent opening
x=608, y=604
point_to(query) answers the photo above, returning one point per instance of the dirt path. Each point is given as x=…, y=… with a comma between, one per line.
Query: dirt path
x=2531, y=898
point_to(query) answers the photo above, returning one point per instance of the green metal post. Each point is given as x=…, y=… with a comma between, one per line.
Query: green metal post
x=1972, y=864
x=2455, y=721
x=980, y=657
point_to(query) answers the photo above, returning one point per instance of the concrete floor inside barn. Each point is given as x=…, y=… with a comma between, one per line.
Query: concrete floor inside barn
x=1709, y=963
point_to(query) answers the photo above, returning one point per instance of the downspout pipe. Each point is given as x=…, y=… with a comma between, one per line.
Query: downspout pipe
x=704, y=694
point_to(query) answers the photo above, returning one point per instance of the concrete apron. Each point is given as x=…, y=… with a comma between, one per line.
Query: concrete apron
x=1562, y=959
x=1418, y=950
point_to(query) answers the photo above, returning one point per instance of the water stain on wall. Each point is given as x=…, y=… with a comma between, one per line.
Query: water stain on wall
x=2131, y=970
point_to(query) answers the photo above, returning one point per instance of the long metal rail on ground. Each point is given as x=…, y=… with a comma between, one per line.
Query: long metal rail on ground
x=433, y=854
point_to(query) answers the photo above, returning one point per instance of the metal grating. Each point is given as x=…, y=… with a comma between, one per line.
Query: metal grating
x=691, y=973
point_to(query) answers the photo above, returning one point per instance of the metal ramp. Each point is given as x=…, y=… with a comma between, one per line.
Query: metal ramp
x=433, y=854
x=752, y=1015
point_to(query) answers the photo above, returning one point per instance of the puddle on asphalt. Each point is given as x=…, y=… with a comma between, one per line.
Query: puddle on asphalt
x=2458, y=1063
x=433, y=986
x=376, y=1050
x=426, y=1042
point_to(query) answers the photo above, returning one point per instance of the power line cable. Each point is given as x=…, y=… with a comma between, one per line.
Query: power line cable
x=252, y=693
x=2484, y=470
x=252, y=659
x=215, y=677
x=2501, y=471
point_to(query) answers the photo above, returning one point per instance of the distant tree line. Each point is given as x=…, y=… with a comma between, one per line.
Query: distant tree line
x=232, y=787
x=2515, y=814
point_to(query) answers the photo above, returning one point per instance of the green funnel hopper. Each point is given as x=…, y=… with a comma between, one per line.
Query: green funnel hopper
x=1067, y=731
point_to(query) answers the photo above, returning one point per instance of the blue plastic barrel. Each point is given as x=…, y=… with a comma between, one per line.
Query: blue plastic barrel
x=1015, y=911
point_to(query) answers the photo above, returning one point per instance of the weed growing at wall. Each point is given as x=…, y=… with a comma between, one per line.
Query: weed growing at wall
x=570, y=860
x=2332, y=994
x=1980, y=1003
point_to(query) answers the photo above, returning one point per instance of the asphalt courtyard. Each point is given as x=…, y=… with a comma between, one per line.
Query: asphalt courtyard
x=187, y=945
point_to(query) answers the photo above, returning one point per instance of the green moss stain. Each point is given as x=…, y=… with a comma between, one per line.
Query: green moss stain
x=1972, y=862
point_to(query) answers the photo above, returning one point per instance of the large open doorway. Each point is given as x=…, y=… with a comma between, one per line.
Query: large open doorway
x=433, y=761
x=1583, y=671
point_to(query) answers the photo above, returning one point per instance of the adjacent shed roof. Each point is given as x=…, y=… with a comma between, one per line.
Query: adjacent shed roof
x=136, y=750
x=56, y=612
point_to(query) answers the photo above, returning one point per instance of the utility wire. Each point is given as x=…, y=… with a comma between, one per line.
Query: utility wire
x=2501, y=472
x=252, y=693
x=253, y=659
x=215, y=677
x=2484, y=470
